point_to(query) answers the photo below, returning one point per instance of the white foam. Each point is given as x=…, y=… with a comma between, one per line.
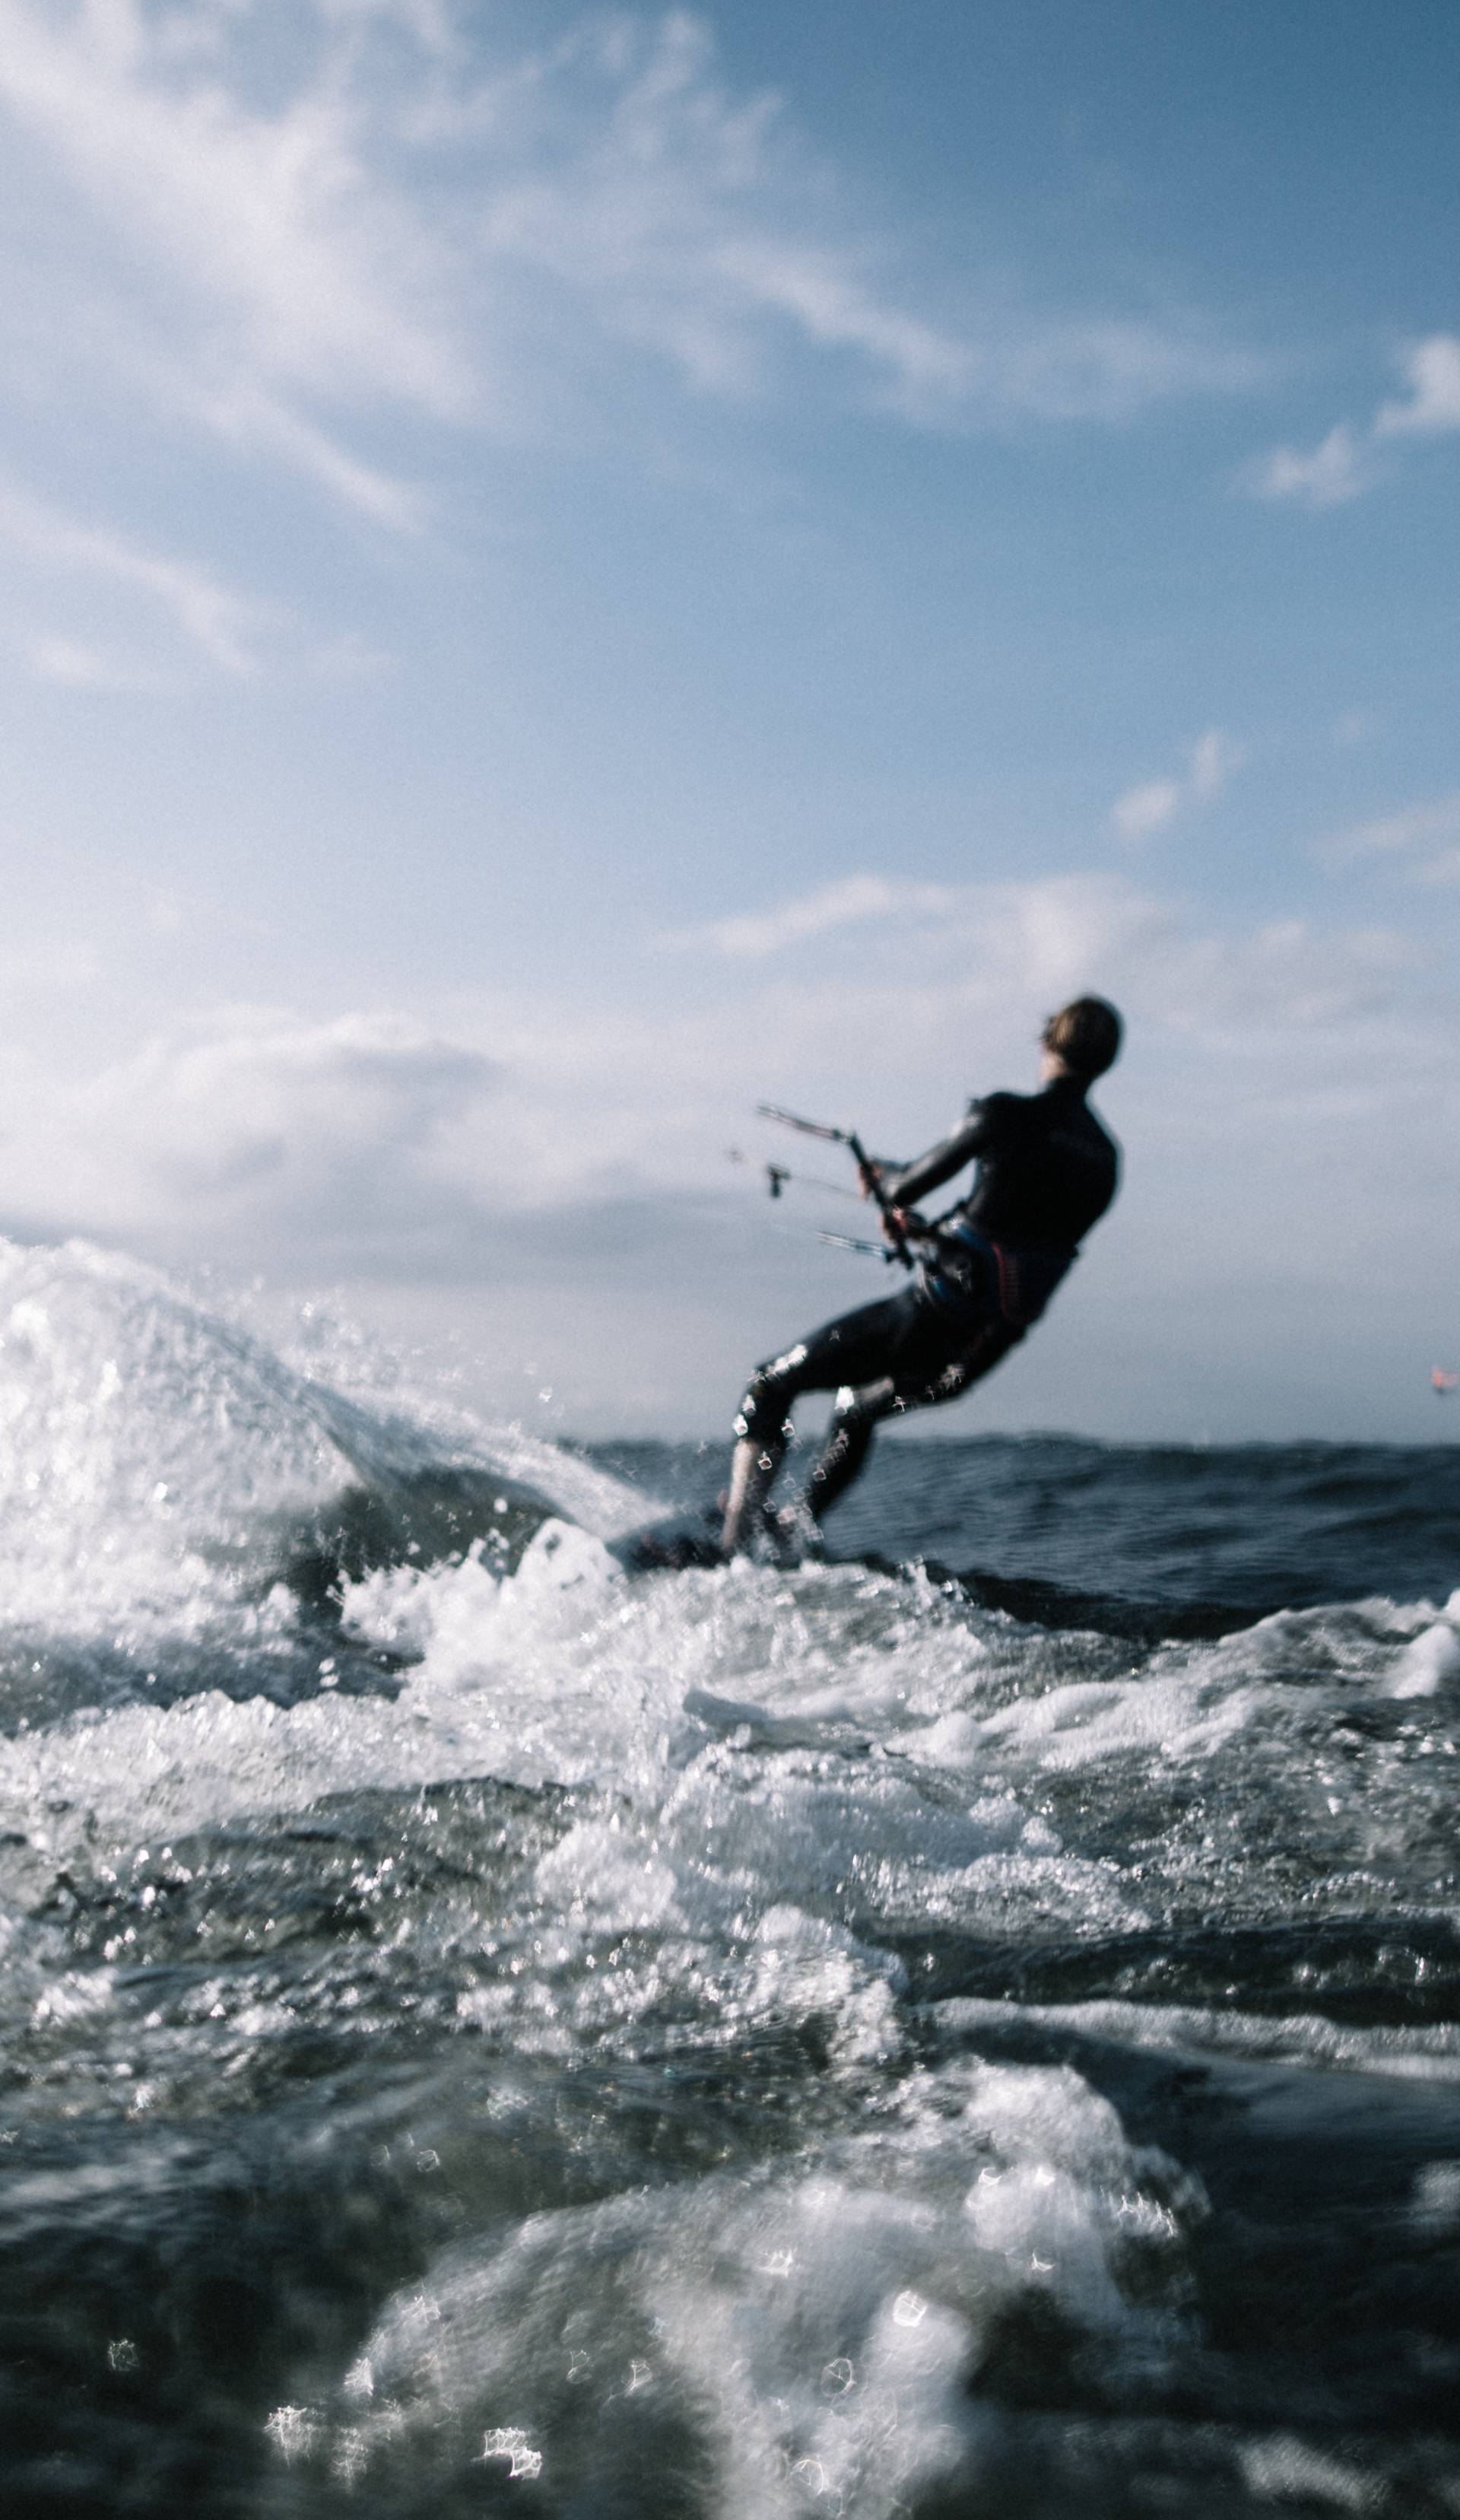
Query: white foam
x=866, y=1754
x=134, y=1429
x=836, y=1739
x=1428, y=2054
x=1183, y=1714
x=1282, y=2468
x=1427, y=1662
x=1436, y=2200
x=147, y=1444
x=822, y=2322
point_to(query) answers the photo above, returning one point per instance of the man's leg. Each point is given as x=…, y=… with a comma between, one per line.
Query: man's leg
x=859, y=1412
x=763, y=1430
x=849, y=1440
x=857, y=1348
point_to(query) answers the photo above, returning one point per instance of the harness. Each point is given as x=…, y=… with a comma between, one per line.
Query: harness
x=983, y=1283
x=969, y=1274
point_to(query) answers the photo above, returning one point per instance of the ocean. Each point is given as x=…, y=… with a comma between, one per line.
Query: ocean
x=969, y=2026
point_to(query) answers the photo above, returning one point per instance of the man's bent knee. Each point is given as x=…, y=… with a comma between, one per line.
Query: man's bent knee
x=866, y=1402
x=766, y=1408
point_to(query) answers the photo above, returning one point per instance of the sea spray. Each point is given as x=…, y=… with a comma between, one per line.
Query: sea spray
x=972, y=2023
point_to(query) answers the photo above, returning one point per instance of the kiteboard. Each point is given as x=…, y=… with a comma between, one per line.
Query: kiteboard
x=676, y=1541
x=693, y=1539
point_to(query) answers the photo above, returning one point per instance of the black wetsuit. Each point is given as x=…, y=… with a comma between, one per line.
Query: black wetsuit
x=1046, y=1171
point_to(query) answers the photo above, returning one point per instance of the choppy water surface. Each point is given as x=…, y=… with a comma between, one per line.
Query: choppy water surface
x=484, y=2031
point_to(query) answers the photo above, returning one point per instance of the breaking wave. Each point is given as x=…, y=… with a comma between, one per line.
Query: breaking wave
x=485, y=2026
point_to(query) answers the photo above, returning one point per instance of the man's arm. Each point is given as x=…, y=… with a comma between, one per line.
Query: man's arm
x=940, y=1162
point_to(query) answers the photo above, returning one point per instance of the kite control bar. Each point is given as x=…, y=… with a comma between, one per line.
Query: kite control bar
x=855, y=1243
x=871, y=1179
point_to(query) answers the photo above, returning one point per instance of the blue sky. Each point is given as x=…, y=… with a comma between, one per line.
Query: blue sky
x=562, y=571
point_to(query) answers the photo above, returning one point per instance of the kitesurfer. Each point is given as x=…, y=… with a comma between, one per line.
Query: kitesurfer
x=1046, y=1171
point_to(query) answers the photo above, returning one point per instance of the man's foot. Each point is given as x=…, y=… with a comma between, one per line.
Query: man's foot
x=788, y=1532
x=793, y=1532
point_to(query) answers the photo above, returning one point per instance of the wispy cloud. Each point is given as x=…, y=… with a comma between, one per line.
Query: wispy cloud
x=334, y=247
x=407, y=222
x=933, y=952
x=850, y=902
x=1338, y=469
x=1433, y=404
x=259, y=422
x=221, y=625
x=80, y=666
x=700, y=225
x=1425, y=837
x=357, y=1143
x=1153, y=803
x=269, y=219
x=244, y=264
x=1347, y=462
x=358, y=1146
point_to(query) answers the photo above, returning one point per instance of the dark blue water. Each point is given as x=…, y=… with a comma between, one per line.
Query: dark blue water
x=972, y=2025
x=1171, y=1532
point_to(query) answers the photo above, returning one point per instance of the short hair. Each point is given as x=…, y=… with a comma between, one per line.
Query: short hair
x=1087, y=1035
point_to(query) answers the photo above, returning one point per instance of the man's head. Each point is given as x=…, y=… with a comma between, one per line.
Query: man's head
x=1083, y=1040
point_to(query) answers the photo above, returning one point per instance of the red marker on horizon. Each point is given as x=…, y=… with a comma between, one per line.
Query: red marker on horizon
x=1443, y=1378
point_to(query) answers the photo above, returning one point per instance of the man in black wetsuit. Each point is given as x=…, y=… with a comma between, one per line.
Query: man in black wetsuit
x=1047, y=1170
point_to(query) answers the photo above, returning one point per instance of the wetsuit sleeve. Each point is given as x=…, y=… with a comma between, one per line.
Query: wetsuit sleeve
x=940, y=1162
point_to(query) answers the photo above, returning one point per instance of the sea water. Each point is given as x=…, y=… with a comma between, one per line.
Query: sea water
x=969, y=2026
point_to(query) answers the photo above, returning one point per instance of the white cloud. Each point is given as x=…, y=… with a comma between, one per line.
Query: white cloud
x=1427, y=836
x=382, y=1147
x=544, y=1181
x=1442, y=867
x=269, y=220
x=243, y=264
x=1108, y=367
x=256, y=421
x=1335, y=471
x=1146, y=809
x=850, y=902
x=1344, y=464
x=327, y=246
x=823, y=297
x=405, y=222
x=348, y=660
x=1289, y=978
x=253, y=1130
x=1215, y=758
x=700, y=225
x=80, y=666
x=1432, y=369
x=938, y=957
x=222, y=625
